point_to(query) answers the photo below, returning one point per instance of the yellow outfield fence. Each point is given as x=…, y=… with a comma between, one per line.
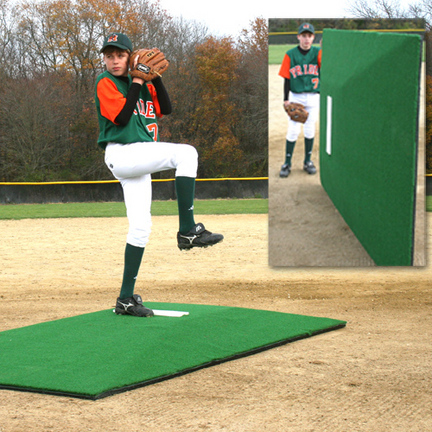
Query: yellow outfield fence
x=116, y=181
x=110, y=190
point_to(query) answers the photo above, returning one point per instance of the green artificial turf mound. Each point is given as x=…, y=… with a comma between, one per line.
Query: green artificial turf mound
x=100, y=354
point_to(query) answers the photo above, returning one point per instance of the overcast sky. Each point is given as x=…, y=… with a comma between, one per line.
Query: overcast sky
x=229, y=17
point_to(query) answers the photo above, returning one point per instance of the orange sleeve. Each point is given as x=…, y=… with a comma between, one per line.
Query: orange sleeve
x=111, y=100
x=153, y=95
x=319, y=58
x=284, y=70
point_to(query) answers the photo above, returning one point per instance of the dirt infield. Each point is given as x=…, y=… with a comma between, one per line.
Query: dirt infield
x=373, y=375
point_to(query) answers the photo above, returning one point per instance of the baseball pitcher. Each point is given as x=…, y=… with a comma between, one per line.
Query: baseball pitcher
x=130, y=97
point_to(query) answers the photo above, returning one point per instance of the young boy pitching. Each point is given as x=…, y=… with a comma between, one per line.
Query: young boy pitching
x=301, y=72
x=128, y=108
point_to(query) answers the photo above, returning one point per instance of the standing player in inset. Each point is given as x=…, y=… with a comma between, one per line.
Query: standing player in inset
x=128, y=106
x=301, y=72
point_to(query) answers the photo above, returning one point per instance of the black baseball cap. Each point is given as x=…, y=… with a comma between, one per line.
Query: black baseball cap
x=118, y=40
x=306, y=27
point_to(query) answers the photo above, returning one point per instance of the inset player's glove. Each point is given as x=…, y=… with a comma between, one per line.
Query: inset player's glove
x=297, y=112
x=147, y=64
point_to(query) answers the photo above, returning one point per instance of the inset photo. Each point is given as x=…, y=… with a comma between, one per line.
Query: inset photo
x=346, y=143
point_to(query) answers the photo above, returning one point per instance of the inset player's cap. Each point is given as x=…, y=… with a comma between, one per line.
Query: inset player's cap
x=118, y=40
x=306, y=27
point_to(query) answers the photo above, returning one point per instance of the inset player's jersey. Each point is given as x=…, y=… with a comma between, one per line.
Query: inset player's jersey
x=110, y=97
x=303, y=70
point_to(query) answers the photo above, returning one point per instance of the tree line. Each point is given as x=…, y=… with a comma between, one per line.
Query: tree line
x=49, y=51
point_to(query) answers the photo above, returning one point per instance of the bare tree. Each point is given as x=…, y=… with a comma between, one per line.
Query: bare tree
x=377, y=9
x=392, y=9
x=251, y=95
x=7, y=39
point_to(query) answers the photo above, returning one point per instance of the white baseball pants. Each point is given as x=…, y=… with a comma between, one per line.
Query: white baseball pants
x=133, y=164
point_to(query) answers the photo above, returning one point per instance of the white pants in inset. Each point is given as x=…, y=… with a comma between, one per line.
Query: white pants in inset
x=311, y=103
x=133, y=164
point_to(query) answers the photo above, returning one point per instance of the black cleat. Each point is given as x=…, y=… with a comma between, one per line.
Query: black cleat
x=132, y=306
x=285, y=170
x=198, y=236
x=309, y=167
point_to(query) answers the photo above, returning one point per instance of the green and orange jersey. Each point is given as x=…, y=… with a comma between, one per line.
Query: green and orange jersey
x=110, y=97
x=302, y=69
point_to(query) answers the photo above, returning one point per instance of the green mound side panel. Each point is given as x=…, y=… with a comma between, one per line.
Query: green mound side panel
x=368, y=137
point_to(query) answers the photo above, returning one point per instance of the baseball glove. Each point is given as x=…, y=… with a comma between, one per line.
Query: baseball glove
x=297, y=112
x=147, y=64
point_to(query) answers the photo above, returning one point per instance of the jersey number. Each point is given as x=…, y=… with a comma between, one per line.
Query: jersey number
x=315, y=82
x=153, y=129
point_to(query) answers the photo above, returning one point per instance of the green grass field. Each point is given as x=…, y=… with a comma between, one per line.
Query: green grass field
x=117, y=209
x=277, y=52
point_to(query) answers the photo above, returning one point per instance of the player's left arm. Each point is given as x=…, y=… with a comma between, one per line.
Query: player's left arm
x=163, y=98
